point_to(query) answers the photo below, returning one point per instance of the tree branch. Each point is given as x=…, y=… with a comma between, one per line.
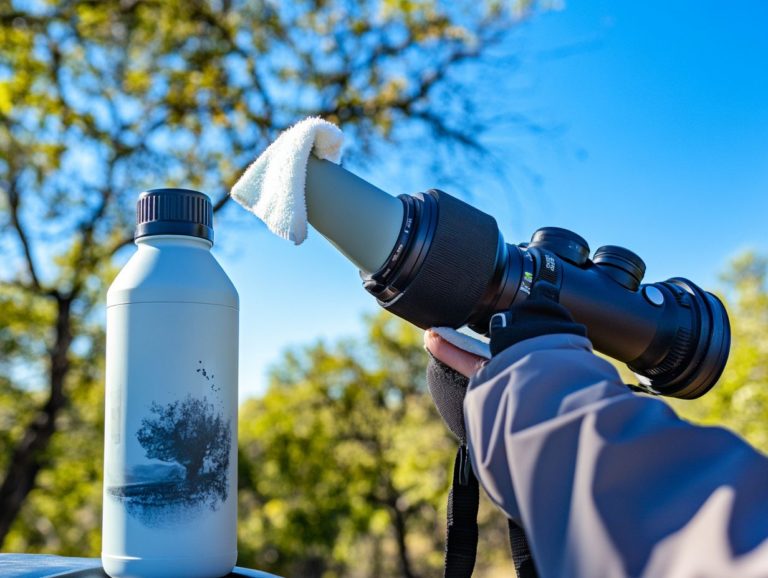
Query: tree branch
x=221, y=202
x=28, y=457
x=399, y=523
x=13, y=204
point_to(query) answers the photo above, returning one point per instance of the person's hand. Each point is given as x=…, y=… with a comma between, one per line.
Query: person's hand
x=451, y=366
x=464, y=362
x=538, y=315
x=448, y=373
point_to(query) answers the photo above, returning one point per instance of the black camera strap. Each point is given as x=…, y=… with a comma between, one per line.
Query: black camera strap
x=462, y=529
x=521, y=552
x=463, y=502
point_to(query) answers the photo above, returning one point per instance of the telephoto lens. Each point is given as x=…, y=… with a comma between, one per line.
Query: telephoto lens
x=450, y=266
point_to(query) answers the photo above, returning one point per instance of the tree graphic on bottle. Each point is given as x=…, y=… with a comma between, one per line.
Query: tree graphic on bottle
x=190, y=433
x=195, y=440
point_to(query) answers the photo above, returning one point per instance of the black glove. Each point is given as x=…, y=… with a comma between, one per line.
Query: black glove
x=448, y=388
x=540, y=314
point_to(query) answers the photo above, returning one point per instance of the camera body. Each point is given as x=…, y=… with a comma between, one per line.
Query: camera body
x=450, y=266
x=435, y=260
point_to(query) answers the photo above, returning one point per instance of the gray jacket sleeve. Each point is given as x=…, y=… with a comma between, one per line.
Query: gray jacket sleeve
x=607, y=482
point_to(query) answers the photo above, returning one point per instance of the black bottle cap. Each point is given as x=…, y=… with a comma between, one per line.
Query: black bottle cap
x=174, y=212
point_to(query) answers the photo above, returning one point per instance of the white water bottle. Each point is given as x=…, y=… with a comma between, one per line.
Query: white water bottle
x=170, y=451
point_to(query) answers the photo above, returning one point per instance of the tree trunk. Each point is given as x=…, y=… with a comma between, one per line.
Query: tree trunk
x=28, y=456
x=311, y=567
x=194, y=467
x=398, y=520
x=377, y=563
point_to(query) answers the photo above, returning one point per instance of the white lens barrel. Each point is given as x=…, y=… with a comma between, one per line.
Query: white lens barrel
x=360, y=220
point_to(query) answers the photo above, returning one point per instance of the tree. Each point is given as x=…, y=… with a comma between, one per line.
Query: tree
x=739, y=401
x=100, y=100
x=187, y=432
x=345, y=464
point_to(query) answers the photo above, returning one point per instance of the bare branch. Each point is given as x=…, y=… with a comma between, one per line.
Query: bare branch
x=13, y=204
x=28, y=456
x=221, y=202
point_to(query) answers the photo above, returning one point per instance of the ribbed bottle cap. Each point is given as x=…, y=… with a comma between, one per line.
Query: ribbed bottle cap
x=174, y=212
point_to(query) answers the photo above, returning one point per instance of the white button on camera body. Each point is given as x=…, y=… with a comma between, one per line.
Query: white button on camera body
x=653, y=295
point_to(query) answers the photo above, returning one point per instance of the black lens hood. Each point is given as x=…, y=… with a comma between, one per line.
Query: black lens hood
x=447, y=262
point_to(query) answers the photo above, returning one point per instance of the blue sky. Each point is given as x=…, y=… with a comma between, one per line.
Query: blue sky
x=663, y=149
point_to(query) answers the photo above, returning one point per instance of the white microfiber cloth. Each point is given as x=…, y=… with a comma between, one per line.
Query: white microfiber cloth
x=273, y=186
x=478, y=345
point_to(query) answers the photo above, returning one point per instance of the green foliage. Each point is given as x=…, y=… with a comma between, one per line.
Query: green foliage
x=345, y=465
x=62, y=515
x=739, y=401
x=343, y=444
x=100, y=100
x=325, y=450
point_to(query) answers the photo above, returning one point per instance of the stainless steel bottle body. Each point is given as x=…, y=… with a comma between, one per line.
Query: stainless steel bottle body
x=170, y=454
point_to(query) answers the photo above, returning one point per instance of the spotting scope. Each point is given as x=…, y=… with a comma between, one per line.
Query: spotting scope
x=435, y=260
